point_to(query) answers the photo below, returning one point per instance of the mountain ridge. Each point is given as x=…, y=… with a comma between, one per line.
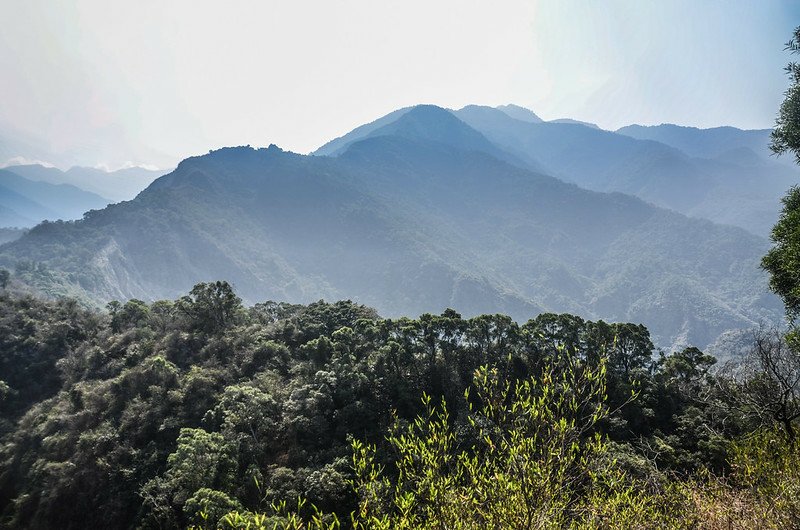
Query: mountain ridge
x=408, y=225
x=114, y=186
x=31, y=202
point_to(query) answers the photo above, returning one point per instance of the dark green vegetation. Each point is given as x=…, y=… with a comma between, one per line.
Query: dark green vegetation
x=202, y=412
x=420, y=214
x=786, y=136
x=178, y=412
x=151, y=413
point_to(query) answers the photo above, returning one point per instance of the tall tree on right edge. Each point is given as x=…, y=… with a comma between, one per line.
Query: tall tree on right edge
x=783, y=260
x=775, y=380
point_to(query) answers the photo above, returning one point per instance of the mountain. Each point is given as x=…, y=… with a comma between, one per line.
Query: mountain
x=10, y=234
x=17, y=210
x=410, y=220
x=422, y=122
x=338, y=145
x=26, y=202
x=119, y=185
x=519, y=113
x=575, y=122
x=734, y=187
x=703, y=143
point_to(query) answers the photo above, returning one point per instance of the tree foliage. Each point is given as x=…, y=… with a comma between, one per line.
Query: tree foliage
x=786, y=135
x=200, y=411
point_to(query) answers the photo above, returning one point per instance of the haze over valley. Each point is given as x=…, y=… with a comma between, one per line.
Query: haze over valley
x=361, y=265
x=480, y=209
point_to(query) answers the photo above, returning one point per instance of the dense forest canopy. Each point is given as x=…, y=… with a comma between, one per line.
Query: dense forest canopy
x=165, y=414
x=202, y=411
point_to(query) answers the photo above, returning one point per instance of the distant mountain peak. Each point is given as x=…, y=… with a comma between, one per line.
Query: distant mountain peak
x=676, y=127
x=576, y=122
x=429, y=121
x=519, y=113
x=703, y=143
x=338, y=145
x=434, y=124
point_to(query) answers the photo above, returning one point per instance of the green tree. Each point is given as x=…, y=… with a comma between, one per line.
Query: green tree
x=786, y=135
x=777, y=382
x=5, y=276
x=200, y=460
x=783, y=260
x=537, y=463
x=211, y=307
x=133, y=314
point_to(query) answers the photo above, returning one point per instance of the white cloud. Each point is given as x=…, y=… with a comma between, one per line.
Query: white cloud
x=22, y=161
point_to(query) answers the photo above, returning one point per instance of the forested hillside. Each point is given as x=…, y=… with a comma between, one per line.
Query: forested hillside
x=175, y=413
x=722, y=174
x=450, y=317
x=417, y=216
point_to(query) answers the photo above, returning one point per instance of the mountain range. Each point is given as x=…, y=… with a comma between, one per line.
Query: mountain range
x=722, y=174
x=120, y=185
x=34, y=193
x=25, y=202
x=428, y=208
x=741, y=185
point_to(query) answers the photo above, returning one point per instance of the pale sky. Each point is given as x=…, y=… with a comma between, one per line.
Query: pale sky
x=153, y=81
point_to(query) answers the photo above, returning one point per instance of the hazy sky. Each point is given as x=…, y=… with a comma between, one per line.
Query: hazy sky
x=154, y=81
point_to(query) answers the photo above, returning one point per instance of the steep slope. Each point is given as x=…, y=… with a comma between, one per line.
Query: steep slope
x=408, y=224
x=733, y=188
x=278, y=225
x=568, y=249
x=338, y=145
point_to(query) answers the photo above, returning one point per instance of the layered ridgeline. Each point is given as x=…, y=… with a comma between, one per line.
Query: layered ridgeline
x=418, y=213
x=723, y=174
x=30, y=194
x=26, y=202
x=119, y=185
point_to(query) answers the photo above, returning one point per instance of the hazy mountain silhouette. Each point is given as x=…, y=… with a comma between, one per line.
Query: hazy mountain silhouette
x=338, y=145
x=119, y=185
x=519, y=113
x=27, y=202
x=412, y=218
x=703, y=143
x=575, y=122
x=732, y=187
x=426, y=123
x=10, y=234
